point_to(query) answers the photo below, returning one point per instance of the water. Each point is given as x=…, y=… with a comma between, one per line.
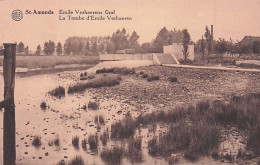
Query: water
x=65, y=118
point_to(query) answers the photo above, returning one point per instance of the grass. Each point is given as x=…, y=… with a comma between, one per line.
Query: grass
x=33, y=62
x=104, y=137
x=116, y=70
x=112, y=156
x=84, y=144
x=123, y=129
x=58, y=92
x=93, y=142
x=36, y=141
x=93, y=105
x=134, y=152
x=96, y=83
x=75, y=141
x=101, y=119
x=195, y=130
x=78, y=160
x=43, y=105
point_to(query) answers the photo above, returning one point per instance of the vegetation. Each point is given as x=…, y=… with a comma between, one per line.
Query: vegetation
x=58, y=92
x=104, y=137
x=185, y=41
x=112, y=156
x=84, y=144
x=75, y=141
x=78, y=160
x=99, y=119
x=93, y=105
x=93, y=142
x=43, y=105
x=123, y=129
x=173, y=79
x=152, y=78
x=33, y=62
x=116, y=70
x=96, y=83
x=134, y=152
x=36, y=141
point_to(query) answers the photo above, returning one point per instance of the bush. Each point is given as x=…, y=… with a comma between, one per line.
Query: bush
x=58, y=92
x=36, y=141
x=57, y=141
x=93, y=142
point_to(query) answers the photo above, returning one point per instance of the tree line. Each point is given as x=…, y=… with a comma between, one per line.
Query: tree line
x=120, y=40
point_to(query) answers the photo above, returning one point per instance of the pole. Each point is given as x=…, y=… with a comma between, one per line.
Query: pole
x=9, y=107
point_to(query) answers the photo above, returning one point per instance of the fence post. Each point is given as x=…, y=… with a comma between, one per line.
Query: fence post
x=9, y=150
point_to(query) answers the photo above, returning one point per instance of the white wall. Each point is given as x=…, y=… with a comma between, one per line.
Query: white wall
x=119, y=57
x=176, y=49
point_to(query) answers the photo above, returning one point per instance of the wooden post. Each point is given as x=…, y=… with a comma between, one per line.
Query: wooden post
x=9, y=153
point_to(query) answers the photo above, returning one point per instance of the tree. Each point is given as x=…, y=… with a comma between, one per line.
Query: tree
x=202, y=47
x=133, y=41
x=161, y=40
x=185, y=42
x=94, y=48
x=20, y=47
x=26, y=50
x=38, y=51
x=59, y=49
x=49, y=47
x=208, y=37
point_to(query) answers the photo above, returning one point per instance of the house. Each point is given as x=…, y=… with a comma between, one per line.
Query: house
x=1, y=52
x=247, y=40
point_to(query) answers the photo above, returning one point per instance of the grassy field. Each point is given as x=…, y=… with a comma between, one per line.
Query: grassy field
x=32, y=62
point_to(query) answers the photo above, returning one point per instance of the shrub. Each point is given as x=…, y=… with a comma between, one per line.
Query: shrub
x=75, y=141
x=124, y=129
x=144, y=75
x=104, y=137
x=84, y=144
x=36, y=141
x=78, y=160
x=134, y=152
x=173, y=79
x=116, y=70
x=152, y=78
x=93, y=142
x=43, y=105
x=101, y=119
x=93, y=105
x=58, y=92
x=96, y=83
x=112, y=156
x=57, y=141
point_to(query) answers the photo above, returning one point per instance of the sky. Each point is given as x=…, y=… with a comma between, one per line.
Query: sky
x=231, y=19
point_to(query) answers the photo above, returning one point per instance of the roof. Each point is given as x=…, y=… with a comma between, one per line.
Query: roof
x=250, y=39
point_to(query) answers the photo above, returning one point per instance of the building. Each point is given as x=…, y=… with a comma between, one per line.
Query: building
x=249, y=40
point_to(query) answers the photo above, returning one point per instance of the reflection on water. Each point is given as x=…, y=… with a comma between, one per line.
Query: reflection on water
x=65, y=118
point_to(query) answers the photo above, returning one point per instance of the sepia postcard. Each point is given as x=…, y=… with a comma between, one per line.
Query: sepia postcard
x=124, y=82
